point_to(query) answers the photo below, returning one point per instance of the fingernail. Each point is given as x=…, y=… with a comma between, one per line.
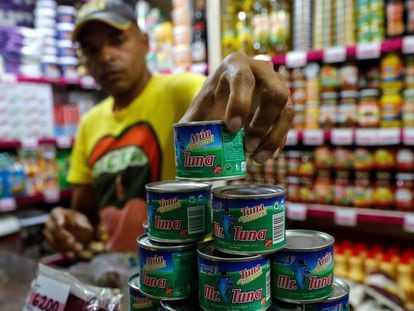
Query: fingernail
x=262, y=156
x=235, y=123
x=252, y=144
x=276, y=153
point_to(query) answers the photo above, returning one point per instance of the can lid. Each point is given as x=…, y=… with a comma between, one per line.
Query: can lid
x=247, y=192
x=133, y=281
x=199, y=123
x=303, y=240
x=340, y=289
x=208, y=251
x=145, y=242
x=177, y=186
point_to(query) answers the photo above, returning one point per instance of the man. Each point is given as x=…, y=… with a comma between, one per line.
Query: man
x=127, y=140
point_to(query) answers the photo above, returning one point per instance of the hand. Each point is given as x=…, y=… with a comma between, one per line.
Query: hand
x=247, y=92
x=68, y=231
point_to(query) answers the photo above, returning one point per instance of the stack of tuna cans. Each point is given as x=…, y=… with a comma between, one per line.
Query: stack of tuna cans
x=251, y=262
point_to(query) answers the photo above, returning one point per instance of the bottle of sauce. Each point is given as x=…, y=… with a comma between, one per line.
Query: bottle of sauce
x=395, y=18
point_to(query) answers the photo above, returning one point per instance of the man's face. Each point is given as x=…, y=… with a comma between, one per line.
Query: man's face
x=116, y=59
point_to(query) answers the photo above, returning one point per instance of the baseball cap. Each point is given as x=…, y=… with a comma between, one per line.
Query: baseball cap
x=115, y=13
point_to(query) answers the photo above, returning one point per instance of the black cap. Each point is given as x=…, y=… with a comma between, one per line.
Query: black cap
x=115, y=13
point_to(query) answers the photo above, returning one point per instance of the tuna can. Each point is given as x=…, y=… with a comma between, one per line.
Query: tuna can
x=338, y=300
x=180, y=305
x=178, y=211
x=303, y=271
x=232, y=282
x=207, y=150
x=249, y=219
x=137, y=300
x=167, y=271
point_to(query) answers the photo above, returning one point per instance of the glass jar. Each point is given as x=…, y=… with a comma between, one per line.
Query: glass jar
x=391, y=103
x=407, y=113
x=347, y=110
x=384, y=159
x=293, y=162
x=328, y=109
x=292, y=189
x=323, y=188
x=383, y=191
x=343, y=189
x=363, y=159
x=395, y=18
x=404, y=192
x=368, y=112
x=363, y=190
x=324, y=157
x=405, y=160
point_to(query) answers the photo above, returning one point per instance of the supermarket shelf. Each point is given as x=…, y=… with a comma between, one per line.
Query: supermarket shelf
x=340, y=54
x=200, y=68
x=82, y=82
x=10, y=204
x=352, y=136
x=61, y=142
x=350, y=216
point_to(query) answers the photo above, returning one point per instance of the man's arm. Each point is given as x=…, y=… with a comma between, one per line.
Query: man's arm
x=84, y=200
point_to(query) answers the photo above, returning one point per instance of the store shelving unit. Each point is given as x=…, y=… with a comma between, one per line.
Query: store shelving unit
x=61, y=142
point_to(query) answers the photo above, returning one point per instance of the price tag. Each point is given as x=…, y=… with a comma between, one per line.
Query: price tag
x=88, y=82
x=368, y=50
x=366, y=137
x=7, y=204
x=296, y=211
x=408, y=136
x=64, y=142
x=292, y=138
x=334, y=54
x=6, y=77
x=29, y=143
x=47, y=294
x=345, y=217
x=200, y=68
x=51, y=195
x=408, y=45
x=342, y=137
x=313, y=137
x=296, y=59
x=389, y=136
x=409, y=222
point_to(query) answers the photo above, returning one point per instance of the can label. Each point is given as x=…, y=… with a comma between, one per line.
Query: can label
x=302, y=276
x=181, y=216
x=234, y=285
x=337, y=305
x=167, y=274
x=249, y=226
x=209, y=151
x=138, y=301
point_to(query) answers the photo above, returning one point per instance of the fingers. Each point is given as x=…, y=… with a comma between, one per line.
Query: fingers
x=274, y=141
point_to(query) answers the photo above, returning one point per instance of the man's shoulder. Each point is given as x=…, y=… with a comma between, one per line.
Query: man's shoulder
x=98, y=110
x=178, y=78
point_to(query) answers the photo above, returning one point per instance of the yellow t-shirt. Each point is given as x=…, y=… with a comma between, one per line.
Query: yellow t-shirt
x=119, y=152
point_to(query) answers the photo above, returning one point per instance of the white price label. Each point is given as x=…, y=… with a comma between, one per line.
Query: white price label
x=408, y=136
x=334, y=54
x=368, y=50
x=408, y=45
x=292, y=138
x=200, y=68
x=345, y=217
x=47, y=294
x=313, y=137
x=409, y=222
x=366, y=137
x=51, y=195
x=296, y=59
x=10, y=78
x=296, y=211
x=7, y=204
x=342, y=137
x=29, y=143
x=391, y=136
x=64, y=142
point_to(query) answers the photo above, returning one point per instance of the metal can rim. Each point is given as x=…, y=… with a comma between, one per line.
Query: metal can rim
x=302, y=232
x=343, y=285
x=200, y=186
x=239, y=258
x=192, y=123
x=133, y=281
x=276, y=192
x=143, y=240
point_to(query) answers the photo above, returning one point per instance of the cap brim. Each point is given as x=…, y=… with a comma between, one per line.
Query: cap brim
x=114, y=20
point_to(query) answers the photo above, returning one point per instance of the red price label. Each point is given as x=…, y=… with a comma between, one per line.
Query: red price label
x=296, y=59
x=296, y=211
x=335, y=54
x=47, y=295
x=342, y=137
x=408, y=45
x=368, y=50
x=345, y=217
x=408, y=136
x=366, y=137
x=409, y=222
x=313, y=137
